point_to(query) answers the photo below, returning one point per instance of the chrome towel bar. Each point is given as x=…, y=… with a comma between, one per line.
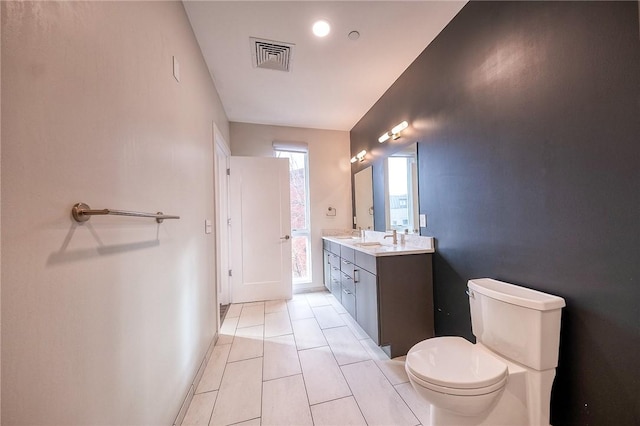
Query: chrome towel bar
x=81, y=212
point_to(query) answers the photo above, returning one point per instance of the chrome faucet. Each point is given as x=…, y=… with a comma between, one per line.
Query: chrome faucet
x=394, y=236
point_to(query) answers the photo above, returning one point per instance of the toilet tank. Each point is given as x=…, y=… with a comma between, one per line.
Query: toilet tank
x=516, y=322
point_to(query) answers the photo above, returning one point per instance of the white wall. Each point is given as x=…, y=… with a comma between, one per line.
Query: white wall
x=329, y=175
x=106, y=322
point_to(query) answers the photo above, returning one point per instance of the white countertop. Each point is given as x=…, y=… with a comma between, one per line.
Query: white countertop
x=382, y=248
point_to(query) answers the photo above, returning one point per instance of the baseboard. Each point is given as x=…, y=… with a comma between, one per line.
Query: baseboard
x=194, y=384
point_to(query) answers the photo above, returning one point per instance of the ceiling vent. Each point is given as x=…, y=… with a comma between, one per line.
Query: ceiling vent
x=272, y=55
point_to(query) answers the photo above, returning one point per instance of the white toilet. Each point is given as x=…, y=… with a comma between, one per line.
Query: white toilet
x=506, y=377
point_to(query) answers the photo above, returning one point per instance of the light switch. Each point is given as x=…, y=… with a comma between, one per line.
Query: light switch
x=207, y=226
x=423, y=220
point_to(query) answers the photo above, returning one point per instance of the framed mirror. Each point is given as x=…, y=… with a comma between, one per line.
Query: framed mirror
x=363, y=194
x=401, y=191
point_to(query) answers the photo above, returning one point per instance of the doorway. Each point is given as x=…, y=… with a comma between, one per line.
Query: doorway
x=221, y=189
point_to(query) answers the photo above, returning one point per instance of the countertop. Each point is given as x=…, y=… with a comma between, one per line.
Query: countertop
x=382, y=248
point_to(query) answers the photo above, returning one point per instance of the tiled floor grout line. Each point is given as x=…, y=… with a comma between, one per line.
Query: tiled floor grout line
x=237, y=423
x=405, y=401
x=394, y=388
x=224, y=370
x=327, y=345
x=295, y=344
x=357, y=362
x=214, y=406
x=351, y=390
x=304, y=383
x=373, y=357
x=332, y=354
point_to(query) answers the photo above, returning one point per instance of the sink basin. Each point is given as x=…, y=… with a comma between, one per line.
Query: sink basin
x=370, y=244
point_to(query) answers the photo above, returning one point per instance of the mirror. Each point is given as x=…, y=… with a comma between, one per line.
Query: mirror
x=363, y=188
x=401, y=191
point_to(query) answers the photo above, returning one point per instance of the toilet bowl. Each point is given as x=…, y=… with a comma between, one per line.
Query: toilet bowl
x=456, y=375
x=506, y=377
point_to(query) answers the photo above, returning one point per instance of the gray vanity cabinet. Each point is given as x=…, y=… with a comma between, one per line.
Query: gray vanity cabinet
x=390, y=297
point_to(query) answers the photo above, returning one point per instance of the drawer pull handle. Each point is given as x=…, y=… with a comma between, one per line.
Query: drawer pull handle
x=356, y=276
x=346, y=291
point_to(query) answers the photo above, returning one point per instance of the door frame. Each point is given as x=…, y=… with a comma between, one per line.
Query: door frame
x=221, y=198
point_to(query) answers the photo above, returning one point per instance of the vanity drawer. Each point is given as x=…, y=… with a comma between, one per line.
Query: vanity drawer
x=335, y=273
x=348, y=283
x=347, y=267
x=349, y=301
x=347, y=253
x=336, y=288
x=334, y=248
x=334, y=260
x=366, y=262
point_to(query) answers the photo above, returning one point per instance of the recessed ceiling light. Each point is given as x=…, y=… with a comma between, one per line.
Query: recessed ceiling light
x=354, y=35
x=321, y=28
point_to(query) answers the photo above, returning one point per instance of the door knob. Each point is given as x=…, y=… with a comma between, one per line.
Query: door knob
x=286, y=237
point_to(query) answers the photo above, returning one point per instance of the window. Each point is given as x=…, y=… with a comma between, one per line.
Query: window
x=300, y=223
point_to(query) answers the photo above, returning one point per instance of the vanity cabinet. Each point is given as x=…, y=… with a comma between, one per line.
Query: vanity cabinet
x=390, y=297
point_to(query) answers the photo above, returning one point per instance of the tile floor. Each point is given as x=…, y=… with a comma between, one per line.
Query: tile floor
x=301, y=362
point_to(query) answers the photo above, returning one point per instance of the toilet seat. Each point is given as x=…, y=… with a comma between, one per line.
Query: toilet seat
x=455, y=366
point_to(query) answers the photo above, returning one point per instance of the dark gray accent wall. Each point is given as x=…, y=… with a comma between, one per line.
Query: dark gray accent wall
x=527, y=116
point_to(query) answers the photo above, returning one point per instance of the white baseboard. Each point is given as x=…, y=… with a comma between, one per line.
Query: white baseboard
x=194, y=384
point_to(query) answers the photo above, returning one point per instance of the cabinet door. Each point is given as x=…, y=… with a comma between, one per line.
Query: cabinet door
x=367, y=303
x=327, y=270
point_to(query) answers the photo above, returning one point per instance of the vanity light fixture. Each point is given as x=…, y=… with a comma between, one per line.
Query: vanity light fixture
x=394, y=133
x=359, y=156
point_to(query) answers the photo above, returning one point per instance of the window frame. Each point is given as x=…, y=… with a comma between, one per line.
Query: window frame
x=304, y=232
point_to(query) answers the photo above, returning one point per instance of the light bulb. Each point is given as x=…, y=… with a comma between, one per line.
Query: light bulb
x=400, y=127
x=321, y=28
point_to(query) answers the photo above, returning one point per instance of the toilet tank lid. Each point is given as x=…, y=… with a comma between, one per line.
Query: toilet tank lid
x=516, y=295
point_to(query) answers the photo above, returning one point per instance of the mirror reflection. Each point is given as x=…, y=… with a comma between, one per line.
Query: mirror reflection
x=401, y=190
x=363, y=185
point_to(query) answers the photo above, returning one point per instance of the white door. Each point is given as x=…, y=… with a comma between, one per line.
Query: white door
x=260, y=229
x=222, y=217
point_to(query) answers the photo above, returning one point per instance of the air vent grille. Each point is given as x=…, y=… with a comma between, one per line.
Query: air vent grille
x=273, y=55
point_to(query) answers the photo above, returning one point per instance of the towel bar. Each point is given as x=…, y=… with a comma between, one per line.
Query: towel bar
x=81, y=212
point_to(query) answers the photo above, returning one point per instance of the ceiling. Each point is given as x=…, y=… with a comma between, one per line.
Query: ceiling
x=333, y=80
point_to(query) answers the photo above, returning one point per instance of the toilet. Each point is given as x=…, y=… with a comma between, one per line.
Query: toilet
x=506, y=377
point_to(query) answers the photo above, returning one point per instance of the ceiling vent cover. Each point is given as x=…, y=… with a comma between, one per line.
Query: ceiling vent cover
x=272, y=55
